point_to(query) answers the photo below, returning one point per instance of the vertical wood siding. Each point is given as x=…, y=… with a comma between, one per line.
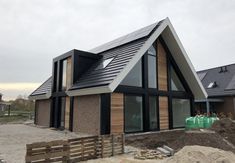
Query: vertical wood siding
x=117, y=116
x=162, y=67
x=67, y=113
x=163, y=113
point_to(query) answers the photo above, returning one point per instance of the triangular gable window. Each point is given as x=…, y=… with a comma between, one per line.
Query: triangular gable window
x=134, y=77
x=176, y=84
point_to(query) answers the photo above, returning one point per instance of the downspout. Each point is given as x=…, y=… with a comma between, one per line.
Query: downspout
x=207, y=107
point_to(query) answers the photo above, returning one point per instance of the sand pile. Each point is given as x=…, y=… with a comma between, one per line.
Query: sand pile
x=201, y=154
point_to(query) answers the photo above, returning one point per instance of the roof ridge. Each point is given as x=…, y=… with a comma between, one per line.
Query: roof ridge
x=200, y=71
x=111, y=44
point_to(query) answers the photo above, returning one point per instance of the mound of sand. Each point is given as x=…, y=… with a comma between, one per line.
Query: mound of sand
x=201, y=154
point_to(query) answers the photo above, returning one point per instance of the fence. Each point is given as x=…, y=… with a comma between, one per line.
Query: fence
x=74, y=150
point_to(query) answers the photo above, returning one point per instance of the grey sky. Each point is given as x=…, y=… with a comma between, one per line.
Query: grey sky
x=32, y=32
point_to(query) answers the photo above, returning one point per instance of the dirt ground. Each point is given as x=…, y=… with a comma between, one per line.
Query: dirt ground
x=214, y=145
x=14, y=137
x=221, y=136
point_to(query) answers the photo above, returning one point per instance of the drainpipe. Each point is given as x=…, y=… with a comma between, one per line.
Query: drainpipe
x=207, y=107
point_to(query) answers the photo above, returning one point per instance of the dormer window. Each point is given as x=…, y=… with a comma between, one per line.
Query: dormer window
x=212, y=85
x=104, y=63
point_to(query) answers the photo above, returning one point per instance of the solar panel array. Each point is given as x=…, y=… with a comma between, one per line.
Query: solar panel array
x=125, y=39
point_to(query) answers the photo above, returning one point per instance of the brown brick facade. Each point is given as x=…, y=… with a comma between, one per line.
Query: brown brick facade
x=86, y=114
x=43, y=110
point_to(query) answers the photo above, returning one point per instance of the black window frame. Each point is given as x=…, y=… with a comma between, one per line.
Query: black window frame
x=146, y=92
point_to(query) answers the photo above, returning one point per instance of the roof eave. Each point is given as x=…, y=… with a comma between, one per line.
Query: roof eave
x=40, y=97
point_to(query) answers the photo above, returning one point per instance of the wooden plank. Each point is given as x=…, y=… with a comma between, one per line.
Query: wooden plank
x=67, y=113
x=163, y=113
x=162, y=67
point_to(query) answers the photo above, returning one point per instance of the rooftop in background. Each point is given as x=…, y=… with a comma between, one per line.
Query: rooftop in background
x=223, y=76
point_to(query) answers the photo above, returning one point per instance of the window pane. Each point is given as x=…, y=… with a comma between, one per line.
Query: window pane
x=62, y=107
x=134, y=78
x=181, y=110
x=133, y=114
x=176, y=84
x=152, y=73
x=64, y=75
x=153, y=112
x=104, y=63
x=152, y=51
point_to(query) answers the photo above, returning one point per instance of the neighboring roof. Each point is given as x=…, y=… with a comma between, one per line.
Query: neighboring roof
x=43, y=91
x=225, y=81
x=127, y=51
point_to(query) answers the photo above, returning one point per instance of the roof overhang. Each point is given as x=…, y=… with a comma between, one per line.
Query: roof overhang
x=210, y=100
x=181, y=58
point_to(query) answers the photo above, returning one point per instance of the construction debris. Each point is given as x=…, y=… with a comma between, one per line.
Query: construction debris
x=149, y=154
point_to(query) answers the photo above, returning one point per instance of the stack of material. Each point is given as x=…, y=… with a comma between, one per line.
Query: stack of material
x=160, y=153
x=149, y=154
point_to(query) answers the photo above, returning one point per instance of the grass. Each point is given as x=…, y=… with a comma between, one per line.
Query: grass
x=12, y=119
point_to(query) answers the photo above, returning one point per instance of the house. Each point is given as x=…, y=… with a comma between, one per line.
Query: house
x=4, y=105
x=219, y=82
x=143, y=81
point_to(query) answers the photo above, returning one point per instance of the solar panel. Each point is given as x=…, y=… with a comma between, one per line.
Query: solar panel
x=201, y=75
x=231, y=84
x=125, y=39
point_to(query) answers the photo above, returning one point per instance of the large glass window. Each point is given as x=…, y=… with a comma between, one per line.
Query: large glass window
x=153, y=117
x=176, y=84
x=133, y=113
x=64, y=74
x=152, y=71
x=181, y=110
x=134, y=77
x=62, y=111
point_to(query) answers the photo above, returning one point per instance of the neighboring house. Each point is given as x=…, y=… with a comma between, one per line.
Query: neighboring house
x=143, y=81
x=3, y=105
x=219, y=83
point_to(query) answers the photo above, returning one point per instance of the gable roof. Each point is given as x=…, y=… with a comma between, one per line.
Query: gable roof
x=127, y=51
x=225, y=81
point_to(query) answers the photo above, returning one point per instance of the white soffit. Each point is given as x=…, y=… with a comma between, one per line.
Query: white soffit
x=181, y=58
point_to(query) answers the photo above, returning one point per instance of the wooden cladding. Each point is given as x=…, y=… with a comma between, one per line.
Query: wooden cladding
x=163, y=113
x=67, y=113
x=162, y=67
x=117, y=116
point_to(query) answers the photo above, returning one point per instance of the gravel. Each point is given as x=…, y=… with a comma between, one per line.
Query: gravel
x=14, y=137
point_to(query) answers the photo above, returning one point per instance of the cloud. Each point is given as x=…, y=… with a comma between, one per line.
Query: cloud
x=34, y=32
x=11, y=90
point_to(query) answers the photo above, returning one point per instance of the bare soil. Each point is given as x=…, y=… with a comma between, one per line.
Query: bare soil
x=225, y=128
x=177, y=139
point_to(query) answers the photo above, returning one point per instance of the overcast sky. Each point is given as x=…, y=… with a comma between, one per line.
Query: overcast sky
x=32, y=32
